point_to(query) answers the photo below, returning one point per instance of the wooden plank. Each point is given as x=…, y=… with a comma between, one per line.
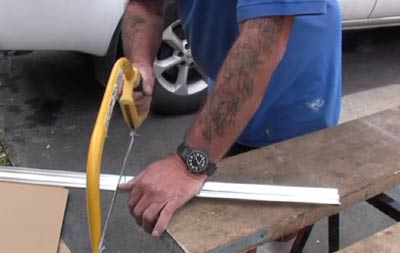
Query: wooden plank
x=361, y=158
x=385, y=241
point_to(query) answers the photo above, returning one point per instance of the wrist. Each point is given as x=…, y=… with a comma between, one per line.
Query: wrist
x=142, y=64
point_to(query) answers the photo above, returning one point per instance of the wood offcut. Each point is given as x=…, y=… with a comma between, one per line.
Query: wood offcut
x=385, y=241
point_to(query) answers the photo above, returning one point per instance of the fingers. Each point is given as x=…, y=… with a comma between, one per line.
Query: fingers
x=148, y=82
x=143, y=98
x=150, y=216
x=148, y=89
x=153, y=217
x=145, y=212
x=142, y=204
x=148, y=78
x=142, y=102
x=134, y=198
x=164, y=218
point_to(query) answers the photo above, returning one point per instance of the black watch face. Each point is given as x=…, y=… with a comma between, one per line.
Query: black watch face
x=197, y=161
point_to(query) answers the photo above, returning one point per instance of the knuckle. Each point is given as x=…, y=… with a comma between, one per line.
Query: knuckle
x=136, y=212
x=131, y=212
x=138, y=221
x=167, y=212
x=130, y=203
x=155, y=189
x=143, y=181
x=148, y=217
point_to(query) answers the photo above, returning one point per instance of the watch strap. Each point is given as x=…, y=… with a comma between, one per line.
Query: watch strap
x=183, y=150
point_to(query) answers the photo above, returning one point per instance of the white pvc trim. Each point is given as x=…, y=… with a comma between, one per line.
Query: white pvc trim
x=257, y=192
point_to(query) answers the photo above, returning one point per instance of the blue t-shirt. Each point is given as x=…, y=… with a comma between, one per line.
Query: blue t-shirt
x=304, y=92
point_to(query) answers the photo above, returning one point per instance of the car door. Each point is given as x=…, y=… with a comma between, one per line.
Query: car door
x=386, y=8
x=357, y=9
x=79, y=25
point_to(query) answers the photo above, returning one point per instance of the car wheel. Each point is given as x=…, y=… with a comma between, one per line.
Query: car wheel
x=181, y=86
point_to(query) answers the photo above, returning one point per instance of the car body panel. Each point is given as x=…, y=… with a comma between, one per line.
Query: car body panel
x=386, y=8
x=77, y=25
x=356, y=9
x=363, y=14
x=88, y=25
x=370, y=23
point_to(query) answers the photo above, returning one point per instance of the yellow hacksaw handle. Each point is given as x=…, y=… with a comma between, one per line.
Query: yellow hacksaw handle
x=126, y=77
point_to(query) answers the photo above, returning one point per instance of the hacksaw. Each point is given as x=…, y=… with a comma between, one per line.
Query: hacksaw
x=124, y=77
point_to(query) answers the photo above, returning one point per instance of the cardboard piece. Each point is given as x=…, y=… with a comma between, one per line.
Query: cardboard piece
x=62, y=247
x=31, y=217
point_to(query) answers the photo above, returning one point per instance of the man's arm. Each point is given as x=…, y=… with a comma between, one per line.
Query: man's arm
x=166, y=185
x=240, y=84
x=141, y=38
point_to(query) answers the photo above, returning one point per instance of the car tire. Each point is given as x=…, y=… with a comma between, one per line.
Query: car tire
x=181, y=85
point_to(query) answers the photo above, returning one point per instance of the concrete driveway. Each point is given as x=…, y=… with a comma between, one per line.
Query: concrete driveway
x=49, y=101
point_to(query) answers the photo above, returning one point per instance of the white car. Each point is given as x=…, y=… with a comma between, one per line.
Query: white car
x=92, y=27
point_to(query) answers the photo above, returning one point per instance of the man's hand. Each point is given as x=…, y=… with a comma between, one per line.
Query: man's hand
x=143, y=97
x=157, y=192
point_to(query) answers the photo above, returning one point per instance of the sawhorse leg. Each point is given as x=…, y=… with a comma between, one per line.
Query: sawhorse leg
x=299, y=243
x=333, y=234
x=333, y=231
x=386, y=205
x=301, y=239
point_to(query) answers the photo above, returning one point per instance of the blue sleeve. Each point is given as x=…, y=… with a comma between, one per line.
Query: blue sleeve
x=248, y=9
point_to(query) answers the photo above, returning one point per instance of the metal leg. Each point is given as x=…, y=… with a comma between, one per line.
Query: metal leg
x=301, y=239
x=387, y=205
x=333, y=227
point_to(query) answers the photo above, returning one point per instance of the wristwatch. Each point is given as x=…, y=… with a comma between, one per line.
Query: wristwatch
x=196, y=161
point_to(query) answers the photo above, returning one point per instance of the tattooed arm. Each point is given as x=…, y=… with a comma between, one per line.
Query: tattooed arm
x=165, y=185
x=141, y=31
x=240, y=84
x=141, y=38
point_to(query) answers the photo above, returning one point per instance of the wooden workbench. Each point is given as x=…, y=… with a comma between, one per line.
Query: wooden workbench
x=361, y=158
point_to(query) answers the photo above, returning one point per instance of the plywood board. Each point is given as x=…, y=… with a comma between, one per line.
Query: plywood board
x=361, y=158
x=385, y=241
x=31, y=217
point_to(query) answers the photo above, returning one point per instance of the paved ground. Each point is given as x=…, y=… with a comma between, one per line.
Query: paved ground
x=48, y=104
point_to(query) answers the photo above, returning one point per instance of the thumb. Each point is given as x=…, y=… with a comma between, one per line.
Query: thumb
x=148, y=83
x=148, y=80
x=147, y=75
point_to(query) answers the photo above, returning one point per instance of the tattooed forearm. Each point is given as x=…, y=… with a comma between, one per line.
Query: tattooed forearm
x=223, y=109
x=236, y=80
x=137, y=20
x=130, y=27
x=268, y=30
x=132, y=24
x=141, y=31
